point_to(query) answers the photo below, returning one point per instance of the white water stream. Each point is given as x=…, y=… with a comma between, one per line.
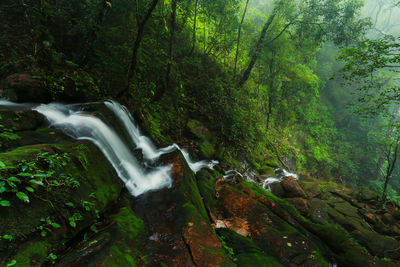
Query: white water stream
x=250, y=176
x=82, y=125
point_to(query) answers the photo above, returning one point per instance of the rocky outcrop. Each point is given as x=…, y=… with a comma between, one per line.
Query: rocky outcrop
x=74, y=212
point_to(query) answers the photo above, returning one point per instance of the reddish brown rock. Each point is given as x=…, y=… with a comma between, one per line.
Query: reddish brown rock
x=292, y=187
x=204, y=246
x=300, y=204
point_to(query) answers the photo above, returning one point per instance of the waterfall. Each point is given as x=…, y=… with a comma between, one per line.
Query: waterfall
x=82, y=125
x=149, y=150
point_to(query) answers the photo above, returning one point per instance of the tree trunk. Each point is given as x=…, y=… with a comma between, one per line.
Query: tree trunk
x=381, y=159
x=194, y=28
x=238, y=37
x=257, y=49
x=271, y=95
x=172, y=27
x=136, y=46
x=390, y=168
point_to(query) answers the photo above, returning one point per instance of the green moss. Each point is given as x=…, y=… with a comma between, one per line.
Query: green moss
x=99, y=175
x=128, y=224
x=33, y=255
x=120, y=256
x=189, y=188
x=256, y=259
x=154, y=124
x=271, y=163
x=207, y=149
x=246, y=252
x=206, y=185
x=266, y=170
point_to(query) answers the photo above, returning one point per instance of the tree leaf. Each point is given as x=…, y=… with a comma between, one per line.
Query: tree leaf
x=5, y=203
x=2, y=165
x=30, y=189
x=55, y=225
x=12, y=263
x=36, y=182
x=13, y=179
x=22, y=196
x=25, y=174
x=7, y=237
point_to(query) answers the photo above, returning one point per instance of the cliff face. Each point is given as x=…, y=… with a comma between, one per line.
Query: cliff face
x=73, y=211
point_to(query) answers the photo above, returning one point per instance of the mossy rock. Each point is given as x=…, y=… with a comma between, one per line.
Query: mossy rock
x=131, y=232
x=311, y=187
x=377, y=244
x=366, y=194
x=206, y=184
x=266, y=170
x=271, y=163
x=95, y=175
x=33, y=253
x=245, y=251
x=21, y=120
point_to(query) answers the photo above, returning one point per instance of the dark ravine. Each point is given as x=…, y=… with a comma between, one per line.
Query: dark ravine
x=202, y=220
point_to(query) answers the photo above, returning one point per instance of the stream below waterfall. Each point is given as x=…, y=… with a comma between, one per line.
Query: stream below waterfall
x=80, y=123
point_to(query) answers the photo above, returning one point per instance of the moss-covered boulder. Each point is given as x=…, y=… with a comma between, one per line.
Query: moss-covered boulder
x=55, y=191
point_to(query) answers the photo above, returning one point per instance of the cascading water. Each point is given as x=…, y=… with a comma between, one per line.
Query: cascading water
x=149, y=150
x=250, y=176
x=82, y=125
x=280, y=175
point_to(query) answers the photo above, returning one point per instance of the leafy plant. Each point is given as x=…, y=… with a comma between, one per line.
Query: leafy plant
x=45, y=227
x=25, y=178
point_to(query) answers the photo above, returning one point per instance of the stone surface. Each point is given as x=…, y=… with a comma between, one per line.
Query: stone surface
x=26, y=89
x=292, y=187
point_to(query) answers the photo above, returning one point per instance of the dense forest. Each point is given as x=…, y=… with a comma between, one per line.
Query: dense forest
x=306, y=86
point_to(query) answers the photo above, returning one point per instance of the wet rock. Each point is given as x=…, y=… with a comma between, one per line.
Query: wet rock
x=273, y=234
x=366, y=194
x=349, y=223
x=311, y=187
x=22, y=120
x=380, y=245
x=245, y=250
x=318, y=211
x=181, y=232
x=300, y=204
x=292, y=187
x=345, y=208
x=26, y=88
x=277, y=189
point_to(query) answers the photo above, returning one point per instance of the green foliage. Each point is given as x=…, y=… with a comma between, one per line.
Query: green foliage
x=45, y=171
x=44, y=228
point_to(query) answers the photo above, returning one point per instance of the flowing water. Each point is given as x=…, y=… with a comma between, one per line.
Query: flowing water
x=250, y=176
x=81, y=125
x=280, y=174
